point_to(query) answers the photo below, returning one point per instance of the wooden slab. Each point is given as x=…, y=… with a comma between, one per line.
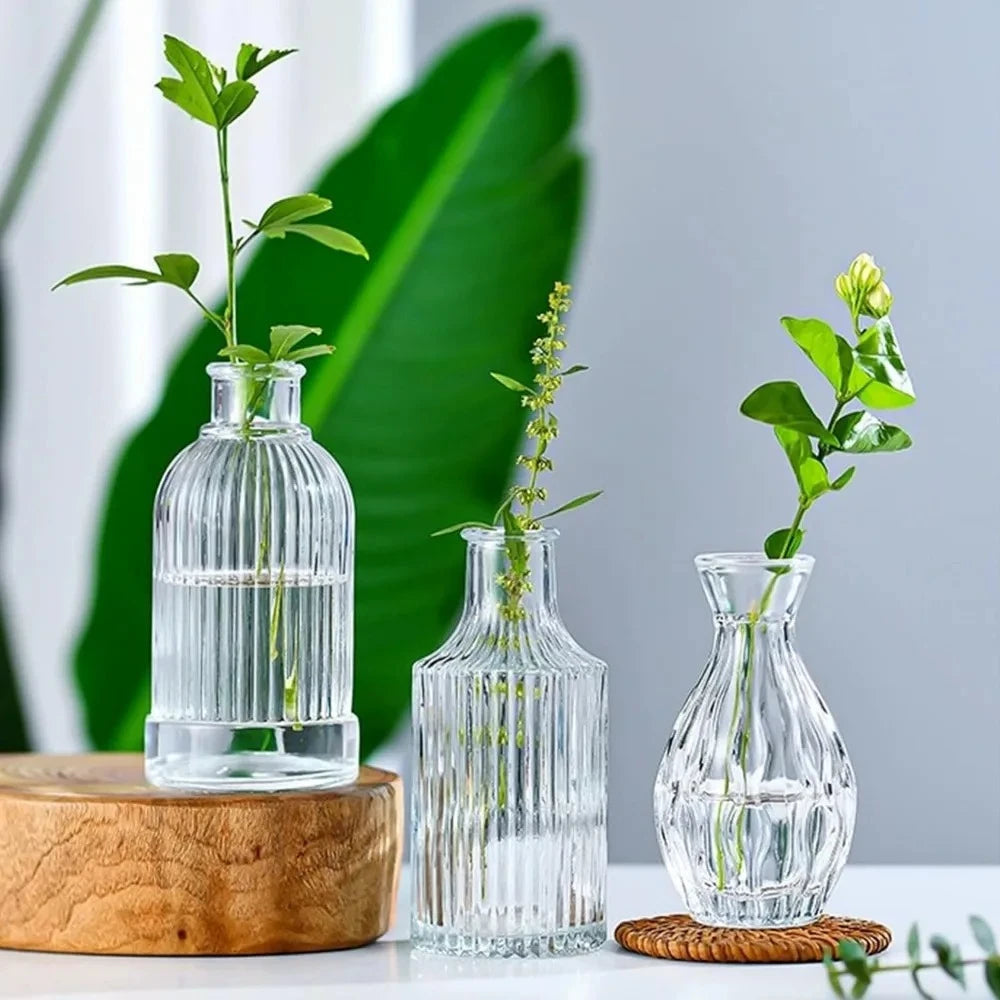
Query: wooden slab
x=92, y=859
x=679, y=937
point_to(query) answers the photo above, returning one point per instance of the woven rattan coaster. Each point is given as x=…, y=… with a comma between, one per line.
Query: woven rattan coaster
x=679, y=937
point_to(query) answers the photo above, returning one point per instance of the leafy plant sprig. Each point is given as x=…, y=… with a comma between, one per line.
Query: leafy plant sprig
x=543, y=428
x=206, y=92
x=871, y=371
x=855, y=965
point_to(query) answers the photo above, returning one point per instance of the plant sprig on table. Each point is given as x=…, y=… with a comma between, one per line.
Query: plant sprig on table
x=543, y=428
x=208, y=94
x=871, y=372
x=856, y=967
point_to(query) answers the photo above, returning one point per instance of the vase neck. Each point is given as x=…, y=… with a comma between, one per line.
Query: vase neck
x=488, y=568
x=748, y=588
x=255, y=400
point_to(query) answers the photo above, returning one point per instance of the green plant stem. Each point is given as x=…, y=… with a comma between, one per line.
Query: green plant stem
x=38, y=131
x=229, y=329
x=214, y=318
x=744, y=694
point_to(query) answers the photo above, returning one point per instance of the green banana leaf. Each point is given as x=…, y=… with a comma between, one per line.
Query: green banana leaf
x=467, y=192
x=13, y=734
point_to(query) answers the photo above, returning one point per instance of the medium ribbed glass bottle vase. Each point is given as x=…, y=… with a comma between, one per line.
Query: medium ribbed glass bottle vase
x=755, y=796
x=253, y=562
x=510, y=724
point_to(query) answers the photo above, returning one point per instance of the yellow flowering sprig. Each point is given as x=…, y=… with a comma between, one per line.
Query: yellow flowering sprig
x=542, y=428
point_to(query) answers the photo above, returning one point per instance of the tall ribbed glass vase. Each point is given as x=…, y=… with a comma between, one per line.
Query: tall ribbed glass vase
x=755, y=796
x=253, y=563
x=510, y=726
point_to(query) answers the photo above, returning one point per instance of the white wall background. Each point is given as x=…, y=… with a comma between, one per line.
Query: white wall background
x=127, y=175
x=742, y=154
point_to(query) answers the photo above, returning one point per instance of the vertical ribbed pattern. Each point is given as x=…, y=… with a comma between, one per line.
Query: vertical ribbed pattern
x=509, y=850
x=252, y=584
x=755, y=774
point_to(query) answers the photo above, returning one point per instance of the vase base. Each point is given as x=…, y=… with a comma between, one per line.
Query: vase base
x=222, y=757
x=448, y=941
x=759, y=912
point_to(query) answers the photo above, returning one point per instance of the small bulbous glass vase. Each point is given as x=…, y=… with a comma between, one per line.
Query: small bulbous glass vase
x=755, y=796
x=253, y=564
x=509, y=803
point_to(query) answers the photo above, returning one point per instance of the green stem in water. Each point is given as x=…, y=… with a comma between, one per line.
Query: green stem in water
x=744, y=694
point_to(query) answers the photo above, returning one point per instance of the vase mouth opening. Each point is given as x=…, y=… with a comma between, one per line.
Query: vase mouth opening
x=497, y=535
x=751, y=562
x=231, y=371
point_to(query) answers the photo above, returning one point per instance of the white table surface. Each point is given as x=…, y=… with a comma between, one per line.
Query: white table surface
x=940, y=898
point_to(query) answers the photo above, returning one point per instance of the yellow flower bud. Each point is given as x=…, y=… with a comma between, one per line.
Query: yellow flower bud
x=844, y=288
x=864, y=273
x=879, y=301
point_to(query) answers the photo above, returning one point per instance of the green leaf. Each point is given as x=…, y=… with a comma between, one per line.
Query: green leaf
x=992, y=974
x=833, y=974
x=774, y=544
x=574, y=369
x=855, y=960
x=877, y=354
x=860, y=987
x=233, y=100
x=335, y=239
x=468, y=231
x=571, y=504
x=949, y=958
x=178, y=269
x=810, y=473
x=828, y=351
x=292, y=209
x=249, y=61
x=510, y=383
x=461, y=526
x=861, y=433
x=913, y=943
x=316, y=351
x=843, y=479
x=284, y=338
x=110, y=271
x=783, y=404
x=195, y=91
x=983, y=934
x=248, y=353
x=13, y=730
x=852, y=954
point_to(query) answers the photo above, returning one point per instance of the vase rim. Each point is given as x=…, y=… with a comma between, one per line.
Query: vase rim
x=277, y=369
x=736, y=561
x=497, y=535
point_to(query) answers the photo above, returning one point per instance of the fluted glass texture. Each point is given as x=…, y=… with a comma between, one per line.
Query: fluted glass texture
x=509, y=803
x=755, y=796
x=253, y=553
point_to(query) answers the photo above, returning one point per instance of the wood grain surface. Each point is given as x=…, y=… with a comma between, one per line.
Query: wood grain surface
x=679, y=937
x=92, y=859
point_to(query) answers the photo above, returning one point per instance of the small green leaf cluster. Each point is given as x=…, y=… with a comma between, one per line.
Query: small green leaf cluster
x=870, y=371
x=283, y=341
x=543, y=428
x=855, y=966
x=206, y=92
